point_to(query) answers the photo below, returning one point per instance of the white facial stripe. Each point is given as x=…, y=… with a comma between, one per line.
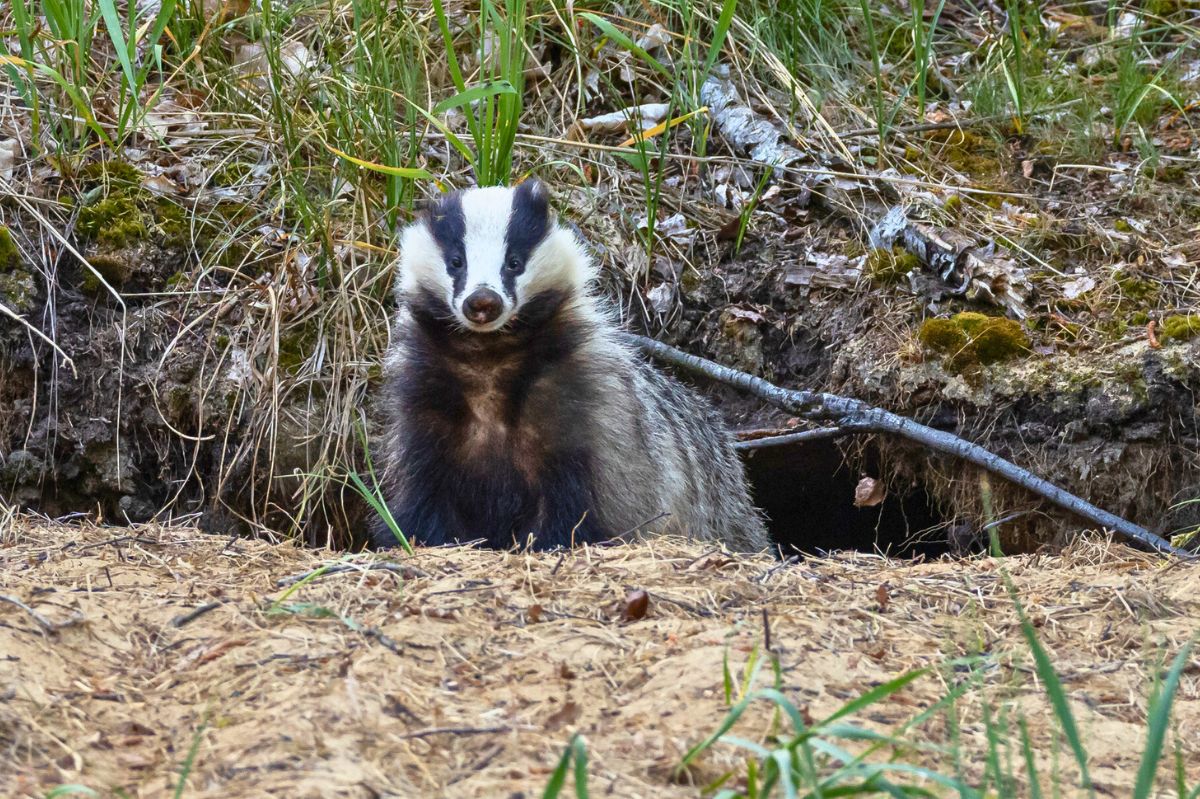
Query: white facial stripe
x=486, y=212
x=422, y=265
x=556, y=263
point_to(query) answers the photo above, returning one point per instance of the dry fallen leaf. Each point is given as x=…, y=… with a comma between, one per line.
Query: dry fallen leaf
x=567, y=714
x=8, y=158
x=882, y=598
x=636, y=603
x=869, y=492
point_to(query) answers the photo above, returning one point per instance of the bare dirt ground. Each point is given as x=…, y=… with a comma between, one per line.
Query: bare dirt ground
x=467, y=675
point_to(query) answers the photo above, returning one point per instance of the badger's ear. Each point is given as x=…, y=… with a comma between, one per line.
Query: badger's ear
x=531, y=198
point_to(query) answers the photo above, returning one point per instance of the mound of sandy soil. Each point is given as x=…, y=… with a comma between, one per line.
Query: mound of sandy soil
x=464, y=673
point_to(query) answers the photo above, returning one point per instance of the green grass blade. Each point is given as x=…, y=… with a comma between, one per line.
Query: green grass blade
x=189, y=762
x=81, y=107
x=719, y=33
x=412, y=173
x=581, y=764
x=474, y=93
x=874, y=695
x=70, y=790
x=618, y=36
x=381, y=508
x=112, y=21
x=1035, y=783
x=574, y=750
x=1054, y=689
x=1159, y=719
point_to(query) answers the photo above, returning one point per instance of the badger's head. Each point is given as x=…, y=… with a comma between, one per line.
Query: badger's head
x=480, y=256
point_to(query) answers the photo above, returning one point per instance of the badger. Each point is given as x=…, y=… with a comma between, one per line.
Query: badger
x=513, y=412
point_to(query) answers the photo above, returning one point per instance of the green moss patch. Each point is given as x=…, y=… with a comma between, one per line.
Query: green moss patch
x=115, y=221
x=1180, y=328
x=10, y=256
x=111, y=173
x=890, y=266
x=970, y=339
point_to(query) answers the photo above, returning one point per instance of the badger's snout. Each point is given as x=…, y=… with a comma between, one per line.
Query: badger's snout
x=483, y=306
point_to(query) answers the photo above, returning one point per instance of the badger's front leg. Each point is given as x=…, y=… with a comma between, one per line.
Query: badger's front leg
x=565, y=503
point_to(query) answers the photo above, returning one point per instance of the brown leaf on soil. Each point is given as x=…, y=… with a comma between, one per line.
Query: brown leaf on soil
x=567, y=714
x=1152, y=335
x=636, y=603
x=882, y=597
x=869, y=492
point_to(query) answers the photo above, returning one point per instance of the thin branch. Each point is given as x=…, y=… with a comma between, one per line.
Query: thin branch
x=855, y=415
x=406, y=572
x=42, y=621
x=819, y=434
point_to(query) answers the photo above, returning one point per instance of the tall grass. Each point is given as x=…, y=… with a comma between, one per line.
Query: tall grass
x=837, y=756
x=493, y=105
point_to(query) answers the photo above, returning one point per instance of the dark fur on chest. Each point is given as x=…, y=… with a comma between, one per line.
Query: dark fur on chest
x=494, y=427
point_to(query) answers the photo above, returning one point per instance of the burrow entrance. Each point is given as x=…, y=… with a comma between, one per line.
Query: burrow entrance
x=807, y=492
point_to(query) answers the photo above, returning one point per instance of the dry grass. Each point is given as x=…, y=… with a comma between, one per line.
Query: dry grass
x=467, y=678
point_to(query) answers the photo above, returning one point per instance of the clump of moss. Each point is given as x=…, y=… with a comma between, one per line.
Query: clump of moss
x=115, y=221
x=232, y=174
x=106, y=173
x=890, y=266
x=171, y=223
x=968, y=339
x=942, y=335
x=114, y=268
x=10, y=256
x=1180, y=327
x=1134, y=288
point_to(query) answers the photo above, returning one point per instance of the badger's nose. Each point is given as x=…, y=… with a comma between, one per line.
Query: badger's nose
x=483, y=306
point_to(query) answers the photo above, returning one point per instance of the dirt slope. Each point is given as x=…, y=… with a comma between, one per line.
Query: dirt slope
x=467, y=678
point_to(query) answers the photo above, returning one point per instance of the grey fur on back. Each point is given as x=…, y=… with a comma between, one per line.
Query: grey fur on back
x=667, y=451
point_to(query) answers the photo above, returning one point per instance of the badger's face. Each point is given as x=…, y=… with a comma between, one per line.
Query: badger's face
x=488, y=252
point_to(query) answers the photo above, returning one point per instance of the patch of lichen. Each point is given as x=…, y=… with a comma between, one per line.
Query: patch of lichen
x=970, y=339
x=1180, y=327
x=115, y=221
x=18, y=290
x=10, y=255
x=890, y=266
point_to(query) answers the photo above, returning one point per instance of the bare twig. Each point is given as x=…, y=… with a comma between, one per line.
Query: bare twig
x=192, y=615
x=855, y=415
x=407, y=572
x=42, y=621
x=819, y=434
x=454, y=731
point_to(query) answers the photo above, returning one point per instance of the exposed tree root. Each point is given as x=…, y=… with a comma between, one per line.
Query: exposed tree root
x=857, y=416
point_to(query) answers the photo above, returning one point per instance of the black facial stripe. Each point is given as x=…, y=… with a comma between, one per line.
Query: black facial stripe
x=448, y=228
x=528, y=225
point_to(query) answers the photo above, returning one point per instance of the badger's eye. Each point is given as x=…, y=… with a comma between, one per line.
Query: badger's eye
x=456, y=262
x=513, y=264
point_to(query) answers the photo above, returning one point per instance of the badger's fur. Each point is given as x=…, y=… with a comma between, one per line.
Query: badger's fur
x=515, y=413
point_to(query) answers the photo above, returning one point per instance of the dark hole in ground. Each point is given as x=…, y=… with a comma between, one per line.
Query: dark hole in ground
x=807, y=491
